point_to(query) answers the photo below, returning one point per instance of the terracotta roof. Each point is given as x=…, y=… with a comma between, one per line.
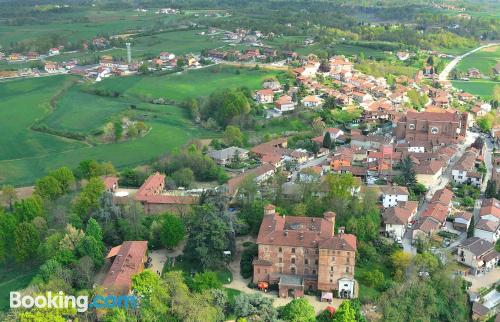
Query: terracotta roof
x=490, y=207
x=466, y=215
x=433, y=116
x=429, y=167
x=150, y=186
x=265, y=92
x=172, y=199
x=110, y=182
x=436, y=211
x=488, y=225
x=396, y=216
x=442, y=196
x=428, y=225
x=128, y=261
x=394, y=190
x=233, y=183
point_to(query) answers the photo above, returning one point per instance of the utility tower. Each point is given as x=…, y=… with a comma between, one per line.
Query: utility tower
x=129, y=53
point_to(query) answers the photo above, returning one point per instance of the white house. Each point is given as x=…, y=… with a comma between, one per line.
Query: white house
x=478, y=254
x=284, y=104
x=465, y=172
x=264, y=96
x=487, y=230
x=391, y=195
x=396, y=219
x=311, y=101
x=166, y=56
x=54, y=51
x=490, y=210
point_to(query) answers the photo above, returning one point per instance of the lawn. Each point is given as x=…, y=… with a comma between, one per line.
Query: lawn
x=484, y=60
x=483, y=88
x=192, y=84
x=13, y=280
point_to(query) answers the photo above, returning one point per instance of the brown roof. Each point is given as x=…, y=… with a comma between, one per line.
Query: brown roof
x=442, y=196
x=477, y=246
x=490, y=207
x=128, y=261
x=429, y=167
x=110, y=182
x=466, y=162
x=233, y=183
x=394, y=190
x=433, y=116
x=270, y=147
x=436, y=211
x=487, y=225
x=303, y=232
x=396, y=216
x=150, y=186
x=427, y=225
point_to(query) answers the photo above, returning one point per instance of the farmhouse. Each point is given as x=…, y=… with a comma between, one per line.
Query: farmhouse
x=127, y=260
x=228, y=155
x=284, y=104
x=478, y=254
x=311, y=101
x=264, y=96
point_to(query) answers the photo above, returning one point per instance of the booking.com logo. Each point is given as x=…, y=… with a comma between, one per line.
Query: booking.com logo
x=80, y=303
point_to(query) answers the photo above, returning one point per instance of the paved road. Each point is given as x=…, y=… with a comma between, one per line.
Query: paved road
x=446, y=71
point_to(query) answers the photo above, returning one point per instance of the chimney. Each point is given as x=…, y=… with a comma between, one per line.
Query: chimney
x=269, y=210
x=330, y=216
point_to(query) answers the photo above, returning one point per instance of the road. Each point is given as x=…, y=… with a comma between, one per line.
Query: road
x=443, y=76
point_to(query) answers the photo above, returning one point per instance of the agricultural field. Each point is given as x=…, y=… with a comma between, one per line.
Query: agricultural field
x=483, y=88
x=484, y=60
x=61, y=104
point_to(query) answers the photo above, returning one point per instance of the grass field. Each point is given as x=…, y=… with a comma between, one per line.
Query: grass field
x=13, y=280
x=484, y=60
x=26, y=155
x=483, y=88
x=183, y=86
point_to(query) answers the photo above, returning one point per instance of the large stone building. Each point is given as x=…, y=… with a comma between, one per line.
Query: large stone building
x=303, y=253
x=436, y=127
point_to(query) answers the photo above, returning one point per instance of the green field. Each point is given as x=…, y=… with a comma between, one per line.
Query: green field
x=483, y=88
x=26, y=155
x=13, y=280
x=183, y=86
x=484, y=60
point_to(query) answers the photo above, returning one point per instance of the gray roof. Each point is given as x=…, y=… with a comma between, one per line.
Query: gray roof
x=291, y=280
x=226, y=153
x=476, y=245
x=487, y=225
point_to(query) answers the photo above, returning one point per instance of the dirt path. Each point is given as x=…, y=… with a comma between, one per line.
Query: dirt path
x=485, y=280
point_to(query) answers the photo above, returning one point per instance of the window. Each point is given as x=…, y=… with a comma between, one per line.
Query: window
x=316, y=262
x=317, y=251
x=434, y=130
x=292, y=270
x=347, y=259
x=331, y=281
x=411, y=126
x=293, y=260
x=331, y=268
x=280, y=260
x=306, y=261
x=347, y=269
x=281, y=270
x=314, y=272
x=333, y=259
x=293, y=250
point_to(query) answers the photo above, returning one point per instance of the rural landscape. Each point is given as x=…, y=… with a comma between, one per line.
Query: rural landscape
x=220, y=160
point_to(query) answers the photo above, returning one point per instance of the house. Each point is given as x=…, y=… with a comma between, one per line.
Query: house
x=490, y=210
x=437, y=211
x=403, y=55
x=271, y=84
x=465, y=172
x=127, y=260
x=165, y=56
x=284, y=104
x=264, y=96
x=391, y=195
x=304, y=254
x=478, y=254
x=155, y=201
x=110, y=183
x=51, y=67
x=396, y=219
x=425, y=227
x=311, y=101
x=462, y=220
x=54, y=51
x=487, y=230
x=260, y=174
x=228, y=155
x=428, y=173
x=474, y=73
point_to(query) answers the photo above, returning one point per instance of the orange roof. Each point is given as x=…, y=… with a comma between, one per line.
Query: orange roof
x=110, y=182
x=128, y=261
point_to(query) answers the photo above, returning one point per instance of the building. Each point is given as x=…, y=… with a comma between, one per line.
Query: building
x=490, y=209
x=304, y=253
x=110, y=183
x=396, y=219
x=462, y=220
x=392, y=195
x=487, y=230
x=311, y=101
x=264, y=96
x=284, y=104
x=436, y=127
x=478, y=254
x=155, y=201
x=465, y=172
x=425, y=227
x=127, y=260
x=228, y=155
x=429, y=172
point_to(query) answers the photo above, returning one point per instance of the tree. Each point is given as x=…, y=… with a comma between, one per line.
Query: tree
x=298, y=310
x=29, y=208
x=327, y=141
x=48, y=188
x=400, y=261
x=345, y=313
x=470, y=230
x=485, y=123
x=491, y=189
x=183, y=177
x=426, y=262
x=211, y=233
x=8, y=224
x=374, y=278
x=144, y=283
x=65, y=178
x=172, y=231
x=88, y=200
x=205, y=281
x=90, y=247
x=9, y=196
x=118, y=130
x=255, y=307
x=27, y=240
x=408, y=172
x=232, y=136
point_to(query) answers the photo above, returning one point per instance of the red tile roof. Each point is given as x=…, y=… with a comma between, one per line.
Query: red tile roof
x=128, y=261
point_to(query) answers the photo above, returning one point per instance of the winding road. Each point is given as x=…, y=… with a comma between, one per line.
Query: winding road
x=443, y=76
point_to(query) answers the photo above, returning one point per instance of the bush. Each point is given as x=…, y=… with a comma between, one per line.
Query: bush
x=246, y=267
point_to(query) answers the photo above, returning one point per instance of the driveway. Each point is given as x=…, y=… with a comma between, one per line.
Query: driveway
x=484, y=280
